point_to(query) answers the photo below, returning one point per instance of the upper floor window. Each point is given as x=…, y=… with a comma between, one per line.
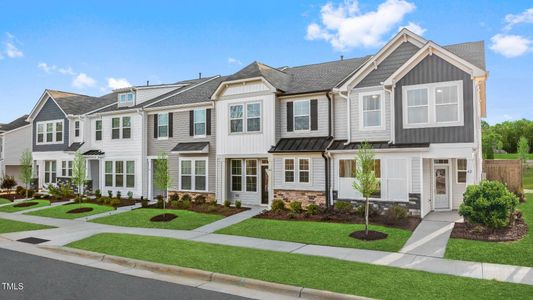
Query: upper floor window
x=116, y=128
x=126, y=127
x=371, y=111
x=433, y=105
x=200, y=122
x=77, y=128
x=50, y=132
x=162, y=125
x=98, y=130
x=245, y=117
x=126, y=98
x=302, y=115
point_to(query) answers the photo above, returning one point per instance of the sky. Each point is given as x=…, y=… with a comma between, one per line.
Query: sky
x=92, y=47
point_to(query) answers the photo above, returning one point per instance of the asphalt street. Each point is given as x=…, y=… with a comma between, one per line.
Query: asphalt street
x=24, y=276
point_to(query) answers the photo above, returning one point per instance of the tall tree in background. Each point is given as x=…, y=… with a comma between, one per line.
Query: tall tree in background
x=26, y=174
x=162, y=178
x=79, y=172
x=523, y=148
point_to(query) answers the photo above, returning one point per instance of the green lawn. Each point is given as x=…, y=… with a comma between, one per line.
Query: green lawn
x=16, y=226
x=318, y=233
x=527, y=178
x=12, y=208
x=60, y=212
x=302, y=270
x=4, y=201
x=511, y=156
x=186, y=220
x=518, y=253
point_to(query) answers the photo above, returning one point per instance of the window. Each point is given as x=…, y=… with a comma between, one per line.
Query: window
x=252, y=116
x=50, y=132
x=199, y=122
x=186, y=174
x=115, y=128
x=347, y=168
x=433, y=105
x=109, y=173
x=98, y=130
x=461, y=170
x=77, y=128
x=119, y=174
x=289, y=170
x=371, y=111
x=236, y=173
x=377, y=173
x=200, y=172
x=303, y=168
x=251, y=175
x=126, y=127
x=162, y=125
x=126, y=99
x=50, y=171
x=66, y=168
x=193, y=174
x=130, y=174
x=302, y=112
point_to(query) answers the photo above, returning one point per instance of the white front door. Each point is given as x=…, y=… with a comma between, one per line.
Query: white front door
x=440, y=188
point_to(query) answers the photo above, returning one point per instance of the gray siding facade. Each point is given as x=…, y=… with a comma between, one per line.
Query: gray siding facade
x=435, y=69
x=323, y=122
x=50, y=111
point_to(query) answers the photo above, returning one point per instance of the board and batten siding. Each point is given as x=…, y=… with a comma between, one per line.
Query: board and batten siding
x=340, y=119
x=430, y=70
x=246, y=88
x=416, y=181
x=181, y=135
x=323, y=112
x=359, y=135
x=16, y=142
x=50, y=111
x=317, y=179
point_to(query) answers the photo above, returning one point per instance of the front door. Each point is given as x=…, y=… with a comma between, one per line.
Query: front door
x=49, y=172
x=264, y=184
x=440, y=188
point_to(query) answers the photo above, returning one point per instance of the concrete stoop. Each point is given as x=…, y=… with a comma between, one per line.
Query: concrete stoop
x=241, y=286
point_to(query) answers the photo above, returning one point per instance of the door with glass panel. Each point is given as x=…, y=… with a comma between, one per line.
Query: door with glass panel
x=440, y=188
x=49, y=172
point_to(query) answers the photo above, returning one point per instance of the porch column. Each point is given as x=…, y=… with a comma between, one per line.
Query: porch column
x=470, y=171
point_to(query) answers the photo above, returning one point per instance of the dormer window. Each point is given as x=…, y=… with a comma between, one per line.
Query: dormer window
x=126, y=99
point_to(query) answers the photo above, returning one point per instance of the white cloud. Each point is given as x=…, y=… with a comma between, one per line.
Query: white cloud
x=117, y=83
x=510, y=45
x=82, y=81
x=66, y=71
x=346, y=27
x=525, y=17
x=11, y=49
x=234, y=61
x=414, y=27
x=46, y=67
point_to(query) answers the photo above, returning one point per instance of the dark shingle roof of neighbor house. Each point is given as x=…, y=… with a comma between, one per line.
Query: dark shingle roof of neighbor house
x=308, y=144
x=341, y=145
x=94, y=152
x=473, y=52
x=193, y=146
x=201, y=93
x=17, y=123
x=77, y=104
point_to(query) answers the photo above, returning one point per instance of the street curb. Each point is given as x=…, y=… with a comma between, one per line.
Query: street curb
x=271, y=287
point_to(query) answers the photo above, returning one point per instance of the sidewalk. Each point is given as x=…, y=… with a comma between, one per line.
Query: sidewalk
x=231, y=220
x=72, y=230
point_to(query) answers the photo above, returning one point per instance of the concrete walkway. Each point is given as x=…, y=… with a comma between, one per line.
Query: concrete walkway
x=431, y=236
x=73, y=230
x=112, y=212
x=231, y=220
x=53, y=204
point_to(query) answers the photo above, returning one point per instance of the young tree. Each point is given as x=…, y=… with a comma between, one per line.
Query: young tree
x=365, y=181
x=523, y=148
x=79, y=172
x=162, y=178
x=26, y=161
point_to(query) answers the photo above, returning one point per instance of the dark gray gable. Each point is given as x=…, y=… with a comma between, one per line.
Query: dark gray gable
x=50, y=111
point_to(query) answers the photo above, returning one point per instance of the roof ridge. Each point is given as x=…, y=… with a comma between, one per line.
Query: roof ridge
x=329, y=62
x=70, y=93
x=464, y=43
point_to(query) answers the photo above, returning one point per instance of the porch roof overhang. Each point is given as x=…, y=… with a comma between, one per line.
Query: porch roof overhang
x=191, y=148
x=311, y=144
x=93, y=153
x=340, y=145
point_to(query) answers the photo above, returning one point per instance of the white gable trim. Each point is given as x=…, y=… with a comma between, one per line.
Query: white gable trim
x=433, y=49
x=401, y=37
x=223, y=85
x=40, y=103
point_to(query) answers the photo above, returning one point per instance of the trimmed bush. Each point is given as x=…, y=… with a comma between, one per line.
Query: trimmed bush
x=278, y=205
x=372, y=211
x=200, y=199
x=130, y=195
x=110, y=194
x=296, y=206
x=115, y=202
x=20, y=191
x=238, y=204
x=119, y=195
x=98, y=194
x=227, y=203
x=490, y=203
x=174, y=197
x=344, y=207
x=312, y=209
x=144, y=203
x=8, y=182
x=174, y=203
x=396, y=213
x=186, y=197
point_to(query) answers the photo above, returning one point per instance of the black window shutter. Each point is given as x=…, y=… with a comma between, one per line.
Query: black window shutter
x=289, y=117
x=314, y=114
x=170, y=124
x=155, y=126
x=191, y=123
x=208, y=121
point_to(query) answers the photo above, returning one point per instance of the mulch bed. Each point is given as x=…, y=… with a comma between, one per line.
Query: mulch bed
x=372, y=235
x=207, y=209
x=163, y=218
x=480, y=233
x=332, y=216
x=25, y=204
x=80, y=210
x=123, y=202
x=11, y=197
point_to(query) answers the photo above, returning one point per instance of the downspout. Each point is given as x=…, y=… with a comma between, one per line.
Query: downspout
x=326, y=172
x=326, y=160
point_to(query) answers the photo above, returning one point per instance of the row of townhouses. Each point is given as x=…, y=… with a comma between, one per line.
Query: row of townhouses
x=266, y=133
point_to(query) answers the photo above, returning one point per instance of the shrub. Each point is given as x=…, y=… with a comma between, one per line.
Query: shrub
x=38, y=196
x=200, y=199
x=344, y=207
x=212, y=203
x=186, y=197
x=8, y=182
x=100, y=200
x=119, y=194
x=174, y=203
x=291, y=215
x=20, y=191
x=144, y=203
x=278, y=205
x=212, y=209
x=65, y=191
x=227, y=203
x=238, y=204
x=312, y=209
x=130, y=195
x=174, y=197
x=98, y=194
x=30, y=193
x=372, y=211
x=160, y=200
x=296, y=207
x=110, y=194
x=186, y=204
x=396, y=213
x=490, y=203
x=115, y=202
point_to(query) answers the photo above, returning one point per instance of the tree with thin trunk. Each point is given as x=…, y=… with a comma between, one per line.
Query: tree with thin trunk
x=523, y=149
x=365, y=181
x=162, y=178
x=79, y=172
x=26, y=174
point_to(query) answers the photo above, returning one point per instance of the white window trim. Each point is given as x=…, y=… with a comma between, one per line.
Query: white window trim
x=231, y=175
x=159, y=137
x=310, y=170
x=294, y=116
x=124, y=174
x=293, y=170
x=65, y=171
x=101, y=130
x=193, y=174
x=297, y=170
x=54, y=132
x=432, y=113
x=78, y=129
x=382, y=111
x=245, y=118
x=260, y=117
x=122, y=127
x=126, y=102
x=457, y=170
x=245, y=176
x=195, y=122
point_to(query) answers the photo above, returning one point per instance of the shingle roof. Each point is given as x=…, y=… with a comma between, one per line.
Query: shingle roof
x=201, y=93
x=188, y=147
x=308, y=144
x=17, y=123
x=74, y=147
x=279, y=79
x=77, y=104
x=473, y=52
x=94, y=152
x=340, y=145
